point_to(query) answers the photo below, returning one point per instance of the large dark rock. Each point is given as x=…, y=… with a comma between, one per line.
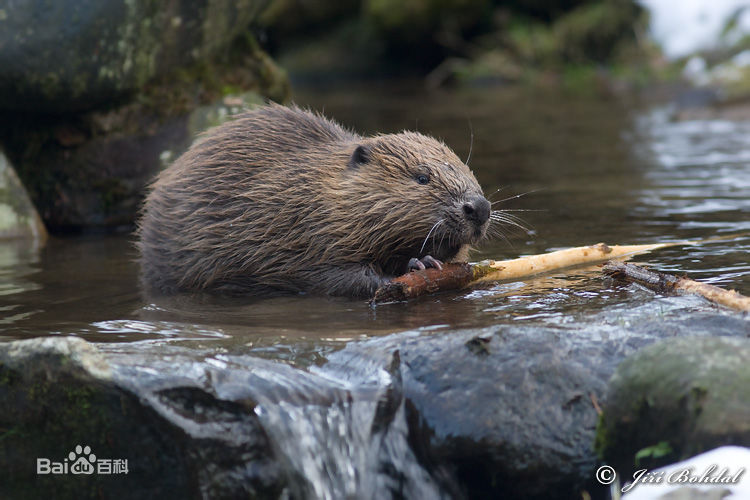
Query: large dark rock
x=195, y=425
x=89, y=171
x=675, y=399
x=180, y=439
x=73, y=54
x=511, y=412
x=500, y=413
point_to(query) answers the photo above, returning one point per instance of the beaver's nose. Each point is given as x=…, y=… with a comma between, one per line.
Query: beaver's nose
x=477, y=210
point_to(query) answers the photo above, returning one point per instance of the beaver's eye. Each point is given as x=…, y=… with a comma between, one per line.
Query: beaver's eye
x=423, y=178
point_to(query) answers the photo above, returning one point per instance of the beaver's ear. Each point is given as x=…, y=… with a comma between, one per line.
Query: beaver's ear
x=360, y=156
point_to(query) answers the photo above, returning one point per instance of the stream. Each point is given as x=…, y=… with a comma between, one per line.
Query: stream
x=573, y=169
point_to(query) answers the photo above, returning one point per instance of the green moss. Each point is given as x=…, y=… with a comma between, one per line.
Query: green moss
x=659, y=450
x=49, y=84
x=67, y=183
x=245, y=67
x=580, y=78
x=532, y=42
x=689, y=393
x=11, y=432
x=111, y=192
x=494, y=65
x=579, y=50
x=7, y=376
x=601, y=437
x=593, y=32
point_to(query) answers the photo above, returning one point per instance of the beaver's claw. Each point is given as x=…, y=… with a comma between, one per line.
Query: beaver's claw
x=416, y=264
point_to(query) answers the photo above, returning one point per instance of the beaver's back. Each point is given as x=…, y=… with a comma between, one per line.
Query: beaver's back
x=252, y=179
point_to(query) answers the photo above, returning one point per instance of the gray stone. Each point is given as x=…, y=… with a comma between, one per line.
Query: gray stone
x=500, y=412
x=512, y=412
x=685, y=395
x=72, y=54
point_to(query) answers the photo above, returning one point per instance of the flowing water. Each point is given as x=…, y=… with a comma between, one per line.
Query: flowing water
x=575, y=169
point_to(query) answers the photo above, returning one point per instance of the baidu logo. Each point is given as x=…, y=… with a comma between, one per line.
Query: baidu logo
x=82, y=461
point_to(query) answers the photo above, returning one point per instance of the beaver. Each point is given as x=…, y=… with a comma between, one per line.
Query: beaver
x=281, y=198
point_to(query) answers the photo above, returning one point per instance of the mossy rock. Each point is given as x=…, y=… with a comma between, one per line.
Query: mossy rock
x=57, y=394
x=72, y=55
x=64, y=400
x=89, y=170
x=675, y=399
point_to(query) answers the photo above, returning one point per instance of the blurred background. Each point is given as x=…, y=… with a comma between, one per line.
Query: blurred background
x=97, y=96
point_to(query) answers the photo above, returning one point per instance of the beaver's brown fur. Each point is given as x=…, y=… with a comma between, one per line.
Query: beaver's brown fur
x=281, y=198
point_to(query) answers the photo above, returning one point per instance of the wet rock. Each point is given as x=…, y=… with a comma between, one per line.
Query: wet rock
x=18, y=217
x=495, y=413
x=675, y=399
x=196, y=424
x=62, y=397
x=73, y=55
x=512, y=412
x=89, y=171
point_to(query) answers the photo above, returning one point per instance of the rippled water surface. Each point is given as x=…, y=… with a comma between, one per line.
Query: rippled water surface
x=590, y=169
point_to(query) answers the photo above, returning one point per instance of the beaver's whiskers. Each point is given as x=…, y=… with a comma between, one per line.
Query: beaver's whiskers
x=503, y=217
x=429, y=233
x=514, y=196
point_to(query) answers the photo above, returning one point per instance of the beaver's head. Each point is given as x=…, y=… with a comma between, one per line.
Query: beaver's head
x=419, y=197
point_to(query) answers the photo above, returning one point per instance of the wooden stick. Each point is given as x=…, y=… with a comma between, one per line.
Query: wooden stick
x=493, y=270
x=666, y=283
x=460, y=275
x=451, y=277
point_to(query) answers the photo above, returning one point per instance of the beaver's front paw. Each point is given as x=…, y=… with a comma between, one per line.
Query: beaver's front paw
x=416, y=264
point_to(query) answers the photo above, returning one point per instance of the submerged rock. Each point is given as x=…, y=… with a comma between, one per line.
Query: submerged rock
x=675, y=399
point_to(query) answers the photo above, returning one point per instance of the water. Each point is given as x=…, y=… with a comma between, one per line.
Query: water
x=590, y=169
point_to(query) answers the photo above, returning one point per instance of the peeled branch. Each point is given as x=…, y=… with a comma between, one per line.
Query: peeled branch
x=666, y=283
x=459, y=275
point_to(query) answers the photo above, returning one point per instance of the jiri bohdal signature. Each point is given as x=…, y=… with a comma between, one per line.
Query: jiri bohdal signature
x=685, y=476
